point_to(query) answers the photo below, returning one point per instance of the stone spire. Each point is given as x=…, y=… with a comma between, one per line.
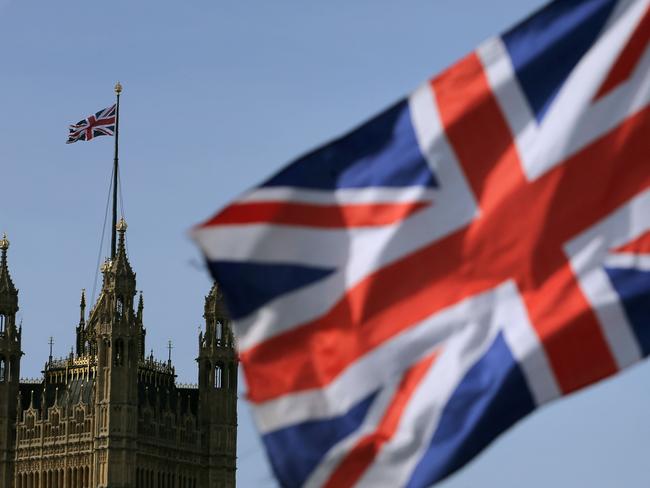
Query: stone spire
x=123, y=275
x=8, y=292
x=139, y=317
x=82, y=333
x=82, y=308
x=140, y=308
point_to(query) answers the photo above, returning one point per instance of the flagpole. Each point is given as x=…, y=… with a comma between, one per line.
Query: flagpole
x=118, y=90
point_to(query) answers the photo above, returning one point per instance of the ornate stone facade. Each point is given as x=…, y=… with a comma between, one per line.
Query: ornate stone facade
x=108, y=415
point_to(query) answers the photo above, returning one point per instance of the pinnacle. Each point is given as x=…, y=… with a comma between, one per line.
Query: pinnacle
x=120, y=267
x=8, y=292
x=215, y=292
x=121, y=260
x=121, y=226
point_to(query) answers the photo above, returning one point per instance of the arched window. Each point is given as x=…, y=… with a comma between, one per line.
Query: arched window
x=119, y=309
x=218, y=376
x=219, y=331
x=79, y=419
x=3, y=320
x=3, y=369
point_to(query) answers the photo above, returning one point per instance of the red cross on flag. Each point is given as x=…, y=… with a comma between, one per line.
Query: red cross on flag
x=102, y=123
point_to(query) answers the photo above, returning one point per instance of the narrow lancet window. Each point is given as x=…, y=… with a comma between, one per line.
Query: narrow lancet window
x=218, y=376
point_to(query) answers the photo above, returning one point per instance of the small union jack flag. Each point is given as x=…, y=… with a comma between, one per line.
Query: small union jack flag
x=102, y=123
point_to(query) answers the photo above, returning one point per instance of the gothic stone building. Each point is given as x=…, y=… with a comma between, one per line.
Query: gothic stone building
x=108, y=415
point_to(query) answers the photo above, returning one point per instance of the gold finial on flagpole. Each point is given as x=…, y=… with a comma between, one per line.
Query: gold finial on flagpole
x=118, y=87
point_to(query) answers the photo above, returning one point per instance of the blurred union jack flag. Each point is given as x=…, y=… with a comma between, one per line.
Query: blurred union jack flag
x=101, y=123
x=409, y=291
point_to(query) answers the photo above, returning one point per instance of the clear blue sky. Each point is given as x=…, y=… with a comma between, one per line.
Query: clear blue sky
x=217, y=95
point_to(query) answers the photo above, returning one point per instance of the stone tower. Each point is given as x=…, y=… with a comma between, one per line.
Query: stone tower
x=10, y=354
x=115, y=332
x=218, y=391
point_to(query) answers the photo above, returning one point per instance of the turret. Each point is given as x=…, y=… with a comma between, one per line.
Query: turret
x=10, y=353
x=218, y=389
